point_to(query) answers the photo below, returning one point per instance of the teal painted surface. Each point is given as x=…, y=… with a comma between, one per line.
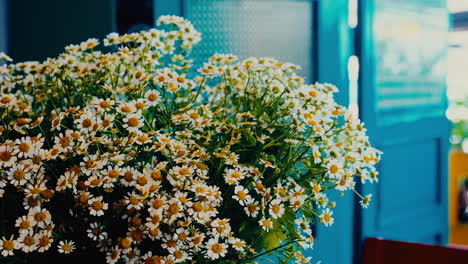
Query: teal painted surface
x=334, y=245
x=402, y=102
x=284, y=29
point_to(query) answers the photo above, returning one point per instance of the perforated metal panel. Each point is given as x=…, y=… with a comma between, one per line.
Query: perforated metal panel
x=263, y=28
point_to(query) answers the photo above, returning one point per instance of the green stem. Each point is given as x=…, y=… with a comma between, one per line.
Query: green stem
x=271, y=250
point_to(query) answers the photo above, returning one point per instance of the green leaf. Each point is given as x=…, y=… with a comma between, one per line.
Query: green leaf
x=271, y=240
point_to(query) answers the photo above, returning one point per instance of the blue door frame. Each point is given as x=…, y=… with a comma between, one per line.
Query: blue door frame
x=403, y=104
x=332, y=44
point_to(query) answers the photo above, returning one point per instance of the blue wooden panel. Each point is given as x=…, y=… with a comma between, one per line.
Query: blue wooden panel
x=334, y=245
x=402, y=102
x=420, y=157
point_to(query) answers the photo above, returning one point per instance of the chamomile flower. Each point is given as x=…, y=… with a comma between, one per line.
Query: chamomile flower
x=113, y=255
x=241, y=194
x=96, y=232
x=327, y=217
x=25, y=223
x=152, y=97
x=45, y=240
x=215, y=249
x=266, y=224
x=97, y=206
x=24, y=147
x=7, y=156
x=66, y=246
x=238, y=244
x=366, y=201
x=335, y=169
x=41, y=216
x=276, y=209
x=7, y=246
x=28, y=242
x=19, y=174
x=133, y=122
x=251, y=208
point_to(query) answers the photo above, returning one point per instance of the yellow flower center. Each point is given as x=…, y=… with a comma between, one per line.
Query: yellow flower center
x=266, y=223
x=174, y=209
x=313, y=94
x=126, y=109
x=104, y=104
x=40, y=216
x=242, y=195
x=5, y=155
x=152, y=97
x=333, y=168
x=19, y=174
x=178, y=254
x=197, y=207
x=276, y=208
x=171, y=243
x=142, y=180
x=133, y=200
x=64, y=142
x=156, y=175
x=25, y=224
x=157, y=203
x=29, y=241
x=44, y=241
x=252, y=208
x=114, y=173
x=182, y=236
x=24, y=147
x=125, y=243
x=217, y=248
x=140, y=105
x=5, y=99
x=97, y=205
x=133, y=121
x=236, y=175
x=8, y=245
x=184, y=171
x=194, y=115
x=87, y=123
x=128, y=176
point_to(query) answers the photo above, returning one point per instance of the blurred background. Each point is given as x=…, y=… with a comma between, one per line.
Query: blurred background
x=401, y=65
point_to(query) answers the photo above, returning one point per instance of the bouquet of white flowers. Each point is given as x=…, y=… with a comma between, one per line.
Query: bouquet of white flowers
x=129, y=149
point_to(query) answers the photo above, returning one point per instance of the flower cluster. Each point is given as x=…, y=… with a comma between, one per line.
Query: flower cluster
x=162, y=163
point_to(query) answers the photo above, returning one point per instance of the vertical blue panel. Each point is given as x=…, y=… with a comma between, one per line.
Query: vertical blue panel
x=403, y=47
x=334, y=245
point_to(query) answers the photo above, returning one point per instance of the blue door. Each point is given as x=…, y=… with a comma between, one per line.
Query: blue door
x=311, y=33
x=403, y=50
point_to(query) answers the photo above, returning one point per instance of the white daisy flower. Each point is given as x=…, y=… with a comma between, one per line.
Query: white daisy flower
x=215, y=250
x=66, y=247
